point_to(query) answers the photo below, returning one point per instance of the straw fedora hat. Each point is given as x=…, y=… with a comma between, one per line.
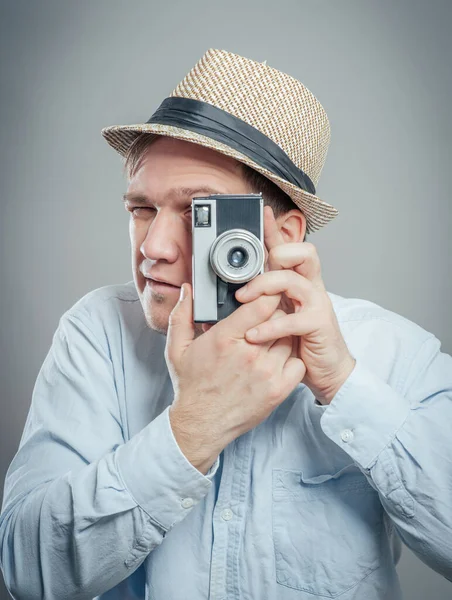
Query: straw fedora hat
x=254, y=113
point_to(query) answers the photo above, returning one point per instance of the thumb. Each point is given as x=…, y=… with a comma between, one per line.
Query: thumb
x=181, y=330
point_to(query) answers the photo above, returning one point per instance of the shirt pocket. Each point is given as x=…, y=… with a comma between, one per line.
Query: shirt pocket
x=327, y=530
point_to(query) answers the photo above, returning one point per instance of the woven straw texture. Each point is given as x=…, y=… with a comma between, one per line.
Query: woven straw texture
x=273, y=102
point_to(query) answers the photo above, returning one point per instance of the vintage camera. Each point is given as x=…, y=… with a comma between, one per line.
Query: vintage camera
x=228, y=251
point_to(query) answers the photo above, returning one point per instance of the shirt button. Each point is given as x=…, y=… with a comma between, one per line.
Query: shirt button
x=187, y=502
x=226, y=515
x=346, y=435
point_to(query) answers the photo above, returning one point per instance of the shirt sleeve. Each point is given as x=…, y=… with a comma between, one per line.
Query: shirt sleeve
x=82, y=509
x=401, y=442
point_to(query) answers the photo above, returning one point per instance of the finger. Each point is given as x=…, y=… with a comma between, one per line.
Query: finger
x=207, y=326
x=296, y=324
x=272, y=235
x=293, y=285
x=300, y=256
x=280, y=350
x=181, y=330
x=293, y=373
x=277, y=346
x=278, y=313
x=248, y=315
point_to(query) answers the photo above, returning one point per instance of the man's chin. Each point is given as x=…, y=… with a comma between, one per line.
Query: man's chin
x=156, y=322
x=159, y=322
x=157, y=327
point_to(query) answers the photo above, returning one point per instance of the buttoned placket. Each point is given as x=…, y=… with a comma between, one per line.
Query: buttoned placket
x=228, y=519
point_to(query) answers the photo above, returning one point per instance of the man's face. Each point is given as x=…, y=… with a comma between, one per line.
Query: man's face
x=159, y=200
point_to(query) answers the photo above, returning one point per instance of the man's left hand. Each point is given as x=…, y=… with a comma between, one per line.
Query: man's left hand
x=294, y=270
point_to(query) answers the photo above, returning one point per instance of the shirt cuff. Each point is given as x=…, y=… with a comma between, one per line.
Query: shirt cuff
x=158, y=476
x=213, y=469
x=364, y=416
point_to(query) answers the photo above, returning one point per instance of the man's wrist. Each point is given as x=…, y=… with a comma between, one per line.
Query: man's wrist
x=197, y=447
x=326, y=397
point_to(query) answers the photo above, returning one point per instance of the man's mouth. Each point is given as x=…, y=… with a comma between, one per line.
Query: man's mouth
x=160, y=285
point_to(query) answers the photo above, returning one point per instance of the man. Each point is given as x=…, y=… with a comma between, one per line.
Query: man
x=275, y=454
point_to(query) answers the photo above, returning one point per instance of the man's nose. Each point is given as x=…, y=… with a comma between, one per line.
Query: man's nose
x=160, y=241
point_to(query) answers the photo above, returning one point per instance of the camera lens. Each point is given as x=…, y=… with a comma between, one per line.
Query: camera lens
x=237, y=257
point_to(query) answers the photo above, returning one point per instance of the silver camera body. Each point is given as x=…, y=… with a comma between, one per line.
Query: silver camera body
x=228, y=251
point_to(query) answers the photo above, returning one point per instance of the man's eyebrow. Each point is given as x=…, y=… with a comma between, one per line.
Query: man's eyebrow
x=181, y=192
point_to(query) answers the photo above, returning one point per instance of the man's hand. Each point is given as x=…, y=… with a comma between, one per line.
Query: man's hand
x=294, y=270
x=224, y=385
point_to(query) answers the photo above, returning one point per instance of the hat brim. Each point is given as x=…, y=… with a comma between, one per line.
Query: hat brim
x=317, y=212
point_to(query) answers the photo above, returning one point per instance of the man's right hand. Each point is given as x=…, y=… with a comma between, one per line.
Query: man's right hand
x=223, y=385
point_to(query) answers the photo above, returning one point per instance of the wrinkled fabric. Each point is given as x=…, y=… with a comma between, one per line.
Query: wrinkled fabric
x=100, y=502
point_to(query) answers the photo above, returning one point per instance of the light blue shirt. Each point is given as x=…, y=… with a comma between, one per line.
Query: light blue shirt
x=100, y=497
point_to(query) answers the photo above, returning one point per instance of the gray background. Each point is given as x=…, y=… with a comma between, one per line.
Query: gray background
x=381, y=69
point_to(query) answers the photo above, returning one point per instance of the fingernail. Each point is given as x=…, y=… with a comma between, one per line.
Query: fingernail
x=242, y=291
x=252, y=334
x=182, y=293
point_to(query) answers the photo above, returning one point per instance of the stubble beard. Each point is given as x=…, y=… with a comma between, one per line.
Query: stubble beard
x=157, y=315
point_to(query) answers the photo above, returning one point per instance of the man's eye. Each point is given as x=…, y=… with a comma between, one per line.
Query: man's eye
x=141, y=211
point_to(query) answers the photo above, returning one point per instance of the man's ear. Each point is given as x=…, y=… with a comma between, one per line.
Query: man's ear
x=292, y=225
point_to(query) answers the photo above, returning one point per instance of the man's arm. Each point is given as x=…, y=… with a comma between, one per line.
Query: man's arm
x=401, y=441
x=82, y=509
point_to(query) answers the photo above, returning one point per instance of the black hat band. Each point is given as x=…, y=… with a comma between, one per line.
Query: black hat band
x=215, y=123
